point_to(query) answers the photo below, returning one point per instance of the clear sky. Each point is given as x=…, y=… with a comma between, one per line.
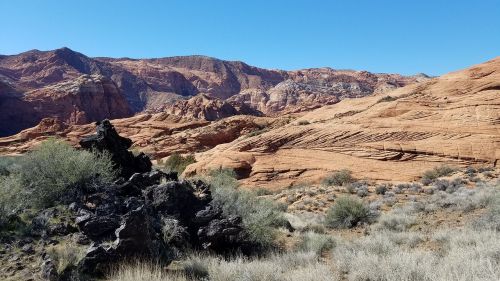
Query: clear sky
x=400, y=36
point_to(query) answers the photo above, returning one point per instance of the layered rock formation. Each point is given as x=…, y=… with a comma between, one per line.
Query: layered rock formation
x=158, y=135
x=81, y=100
x=76, y=89
x=454, y=119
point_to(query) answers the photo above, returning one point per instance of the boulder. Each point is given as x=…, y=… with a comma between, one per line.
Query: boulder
x=135, y=237
x=98, y=227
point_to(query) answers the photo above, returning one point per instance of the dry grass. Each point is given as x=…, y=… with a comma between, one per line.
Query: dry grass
x=404, y=244
x=66, y=255
x=144, y=272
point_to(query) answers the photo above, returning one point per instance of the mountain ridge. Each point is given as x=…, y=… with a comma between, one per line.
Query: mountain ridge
x=152, y=84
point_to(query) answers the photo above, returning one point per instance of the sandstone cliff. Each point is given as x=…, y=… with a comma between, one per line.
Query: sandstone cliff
x=453, y=119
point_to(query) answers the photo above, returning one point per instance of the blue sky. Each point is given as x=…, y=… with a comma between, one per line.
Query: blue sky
x=399, y=36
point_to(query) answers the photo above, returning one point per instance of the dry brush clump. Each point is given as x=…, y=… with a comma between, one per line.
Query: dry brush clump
x=347, y=212
x=49, y=174
x=260, y=216
x=178, y=163
x=339, y=178
x=430, y=176
x=466, y=255
x=293, y=266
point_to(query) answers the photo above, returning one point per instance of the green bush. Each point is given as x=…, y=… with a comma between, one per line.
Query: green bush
x=347, y=212
x=53, y=168
x=387, y=99
x=11, y=198
x=7, y=164
x=260, y=216
x=178, y=163
x=342, y=177
x=303, y=122
x=441, y=171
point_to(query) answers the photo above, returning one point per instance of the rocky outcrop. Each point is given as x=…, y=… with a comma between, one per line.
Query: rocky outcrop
x=82, y=100
x=107, y=139
x=158, y=135
x=453, y=119
x=204, y=107
x=149, y=216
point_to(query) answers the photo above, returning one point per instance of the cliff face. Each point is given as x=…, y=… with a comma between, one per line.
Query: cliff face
x=453, y=119
x=41, y=84
x=81, y=100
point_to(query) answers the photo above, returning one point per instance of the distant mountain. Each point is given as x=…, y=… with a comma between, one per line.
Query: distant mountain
x=77, y=89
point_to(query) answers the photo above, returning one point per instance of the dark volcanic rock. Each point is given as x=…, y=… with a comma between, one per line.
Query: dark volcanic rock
x=136, y=235
x=146, y=215
x=107, y=139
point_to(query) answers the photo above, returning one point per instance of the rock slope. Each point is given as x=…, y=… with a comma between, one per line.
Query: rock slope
x=453, y=119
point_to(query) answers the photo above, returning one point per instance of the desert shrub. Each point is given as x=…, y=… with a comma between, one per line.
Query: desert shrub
x=7, y=164
x=491, y=219
x=485, y=169
x=470, y=171
x=263, y=191
x=395, y=221
x=196, y=267
x=54, y=167
x=258, y=132
x=387, y=99
x=259, y=216
x=315, y=242
x=441, y=171
x=381, y=189
x=11, y=199
x=178, y=163
x=66, y=255
x=303, y=122
x=339, y=178
x=448, y=186
x=465, y=255
x=347, y=212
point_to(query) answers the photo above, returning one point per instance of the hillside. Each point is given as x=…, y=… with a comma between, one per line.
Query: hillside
x=77, y=89
x=453, y=119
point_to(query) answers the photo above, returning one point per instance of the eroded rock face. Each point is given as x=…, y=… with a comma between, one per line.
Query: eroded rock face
x=453, y=119
x=204, y=107
x=81, y=100
x=76, y=89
